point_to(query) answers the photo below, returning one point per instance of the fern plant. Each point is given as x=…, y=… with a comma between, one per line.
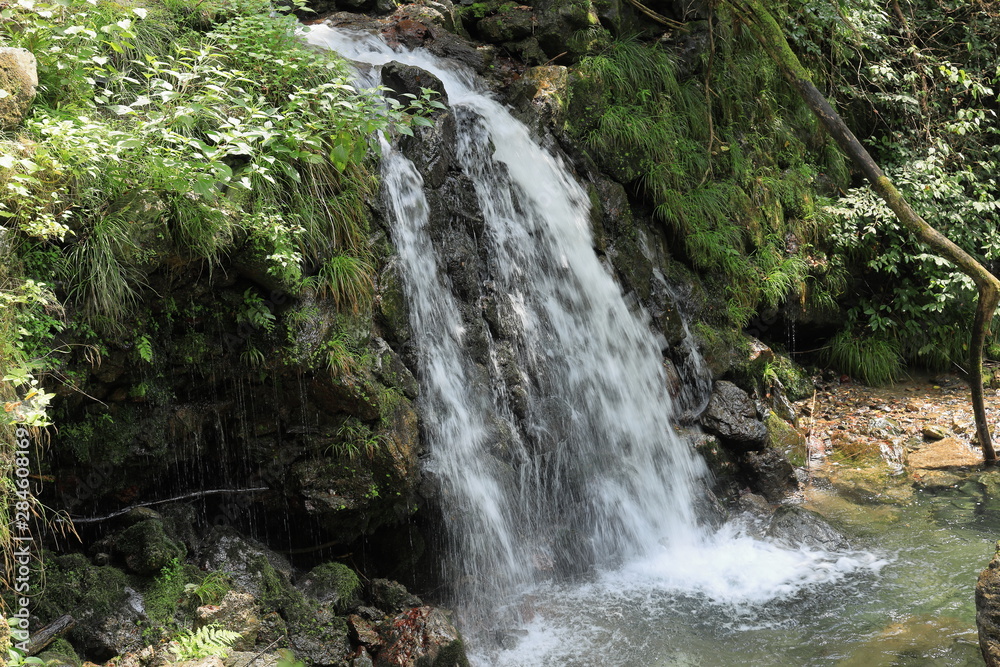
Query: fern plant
x=204, y=642
x=211, y=589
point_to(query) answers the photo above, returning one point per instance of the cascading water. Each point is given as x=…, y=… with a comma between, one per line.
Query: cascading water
x=583, y=472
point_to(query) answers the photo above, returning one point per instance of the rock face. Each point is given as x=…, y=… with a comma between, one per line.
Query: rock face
x=732, y=416
x=18, y=80
x=988, y=610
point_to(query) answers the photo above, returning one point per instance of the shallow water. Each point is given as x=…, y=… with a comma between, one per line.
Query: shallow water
x=912, y=604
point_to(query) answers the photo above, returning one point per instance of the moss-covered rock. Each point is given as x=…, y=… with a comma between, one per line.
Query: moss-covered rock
x=18, y=80
x=787, y=439
x=722, y=348
x=510, y=24
x=60, y=653
x=103, y=600
x=796, y=381
x=873, y=484
x=332, y=584
x=146, y=548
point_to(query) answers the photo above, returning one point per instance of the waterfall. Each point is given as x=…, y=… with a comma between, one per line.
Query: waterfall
x=580, y=469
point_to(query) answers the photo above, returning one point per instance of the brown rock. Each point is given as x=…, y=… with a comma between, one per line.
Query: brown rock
x=947, y=453
x=236, y=612
x=422, y=635
x=364, y=631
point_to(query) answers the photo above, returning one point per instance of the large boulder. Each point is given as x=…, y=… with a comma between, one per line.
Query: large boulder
x=988, y=610
x=107, y=609
x=732, y=416
x=18, y=80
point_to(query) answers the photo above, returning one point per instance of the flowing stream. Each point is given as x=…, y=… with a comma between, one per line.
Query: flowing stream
x=581, y=478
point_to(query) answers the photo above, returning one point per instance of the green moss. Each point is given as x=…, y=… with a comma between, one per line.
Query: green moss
x=339, y=579
x=60, y=652
x=73, y=583
x=787, y=439
x=147, y=548
x=796, y=381
x=164, y=595
x=450, y=655
x=721, y=347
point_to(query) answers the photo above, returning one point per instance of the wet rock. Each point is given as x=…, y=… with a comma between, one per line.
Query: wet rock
x=416, y=25
x=796, y=527
x=543, y=89
x=320, y=637
x=335, y=393
x=364, y=631
x=422, y=636
x=391, y=596
x=392, y=313
x=771, y=474
x=432, y=149
x=18, y=78
x=559, y=22
x=988, y=610
x=237, y=612
x=510, y=25
x=409, y=80
x=934, y=432
x=253, y=567
x=720, y=462
x=362, y=659
x=392, y=372
x=733, y=417
x=754, y=504
x=883, y=427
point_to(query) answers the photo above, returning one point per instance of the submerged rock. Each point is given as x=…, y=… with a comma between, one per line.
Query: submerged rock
x=796, y=527
x=944, y=453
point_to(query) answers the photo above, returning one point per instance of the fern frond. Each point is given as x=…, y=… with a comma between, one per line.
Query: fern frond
x=204, y=642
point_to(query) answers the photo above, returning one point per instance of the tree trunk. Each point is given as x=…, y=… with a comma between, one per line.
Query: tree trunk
x=769, y=34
